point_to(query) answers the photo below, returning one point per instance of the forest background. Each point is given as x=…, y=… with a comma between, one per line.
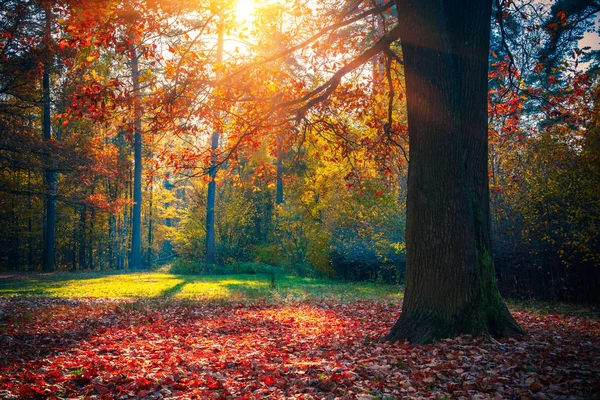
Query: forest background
x=219, y=138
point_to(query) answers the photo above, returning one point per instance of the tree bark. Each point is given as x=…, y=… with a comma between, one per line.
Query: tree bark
x=50, y=172
x=29, y=225
x=210, y=206
x=450, y=282
x=135, y=260
x=150, y=230
x=90, y=238
x=212, y=173
x=82, y=237
x=279, y=172
x=111, y=240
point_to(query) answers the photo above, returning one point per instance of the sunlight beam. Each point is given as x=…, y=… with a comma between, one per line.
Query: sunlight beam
x=244, y=9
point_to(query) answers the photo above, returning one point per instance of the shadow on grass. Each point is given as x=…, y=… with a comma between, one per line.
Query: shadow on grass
x=172, y=291
x=29, y=287
x=156, y=285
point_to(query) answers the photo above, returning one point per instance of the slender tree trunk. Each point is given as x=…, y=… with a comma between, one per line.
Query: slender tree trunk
x=450, y=283
x=136, y=228
x=74, y=241
x=378, y=63
x=14, y=253
x=111, y=240
x=50, y=173
x=279, y=172
x=266, y=212
x=122, y=243
x=90, y=243
x=168, y=246
x=82, y=237
x=125, y=237
x=29, y=225
x=150, y=232
x=210, y=207
x=212, y=173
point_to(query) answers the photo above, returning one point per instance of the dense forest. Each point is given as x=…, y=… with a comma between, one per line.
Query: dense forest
x=222, y=136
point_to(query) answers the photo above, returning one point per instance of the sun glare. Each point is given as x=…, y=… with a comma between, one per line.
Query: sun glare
x=243, y=10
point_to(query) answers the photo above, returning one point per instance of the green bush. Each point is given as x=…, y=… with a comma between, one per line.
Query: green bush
x=267, y=254
x=181, y=266
x=242, y=268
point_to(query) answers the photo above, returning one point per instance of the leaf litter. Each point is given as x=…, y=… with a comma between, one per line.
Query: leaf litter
x=154, y=349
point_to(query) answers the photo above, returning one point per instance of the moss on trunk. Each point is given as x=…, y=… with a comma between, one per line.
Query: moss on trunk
x=450, y=283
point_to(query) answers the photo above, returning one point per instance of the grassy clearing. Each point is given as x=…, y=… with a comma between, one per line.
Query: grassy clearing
x=193, y=287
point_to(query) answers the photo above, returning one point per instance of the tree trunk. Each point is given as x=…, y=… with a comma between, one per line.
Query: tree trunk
x=210, y=207
x=126, y=225
x=82, y=237
x=111, y=240
x=135, y=261
x=50, y=173
x=74, y=241
x=90, y=238
x=29, y=225
x=450, y=282
x=150, y=230
x=212, y=185
x=168, y=246
x=279, y=172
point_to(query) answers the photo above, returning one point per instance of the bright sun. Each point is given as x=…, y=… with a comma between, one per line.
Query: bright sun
x=243, y=10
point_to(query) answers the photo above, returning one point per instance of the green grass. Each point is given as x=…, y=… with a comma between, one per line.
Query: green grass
x=194, y=287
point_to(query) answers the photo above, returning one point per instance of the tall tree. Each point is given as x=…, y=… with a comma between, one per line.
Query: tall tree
x=50, y=172
x=212, y=172
x=279, y=173
x=136, y=226
x=450, y=282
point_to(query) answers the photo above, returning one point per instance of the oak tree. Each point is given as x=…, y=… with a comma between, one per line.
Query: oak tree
x=450, y=282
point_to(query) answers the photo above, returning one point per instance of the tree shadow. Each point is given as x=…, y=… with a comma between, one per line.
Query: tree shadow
x=171, y=292
x=45, y=284
x=218, y=287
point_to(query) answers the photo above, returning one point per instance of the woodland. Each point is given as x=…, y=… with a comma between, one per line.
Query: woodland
x=299, y=199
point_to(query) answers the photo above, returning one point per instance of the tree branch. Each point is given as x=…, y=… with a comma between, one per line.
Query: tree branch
x=324, y=91
x=311, y=39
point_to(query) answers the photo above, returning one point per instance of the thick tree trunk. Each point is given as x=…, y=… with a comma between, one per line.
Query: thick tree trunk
x=450, y=283
x=135, y=259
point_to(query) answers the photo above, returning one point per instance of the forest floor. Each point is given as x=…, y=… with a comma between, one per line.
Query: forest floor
x=152, y=336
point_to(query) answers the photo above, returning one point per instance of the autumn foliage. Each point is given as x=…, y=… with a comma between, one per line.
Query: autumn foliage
x=109, y=117
x=310, y=101
x=156, y=349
